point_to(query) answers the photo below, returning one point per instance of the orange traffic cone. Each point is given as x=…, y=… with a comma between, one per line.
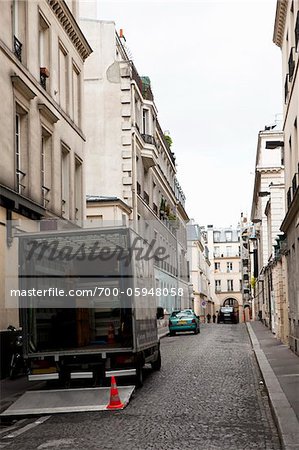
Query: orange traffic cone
x=114, y=402
x=111, y=334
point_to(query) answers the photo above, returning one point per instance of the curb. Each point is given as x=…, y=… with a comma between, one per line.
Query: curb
x=284, y=415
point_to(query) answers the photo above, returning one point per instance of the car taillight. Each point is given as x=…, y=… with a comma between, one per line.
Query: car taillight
x=193, y=321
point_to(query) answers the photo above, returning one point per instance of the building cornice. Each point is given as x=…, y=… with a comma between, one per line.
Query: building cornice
x=70, y=26
x=263, y=169
x=280, y=20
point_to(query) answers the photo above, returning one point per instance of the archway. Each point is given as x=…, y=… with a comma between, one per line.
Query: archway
x=235, y=304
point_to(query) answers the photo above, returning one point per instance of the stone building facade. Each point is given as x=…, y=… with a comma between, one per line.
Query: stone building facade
x=224, y=251
x=267, y=213
x=199, y=267
x=42, y=52
x=131, y=172
x=286, y=36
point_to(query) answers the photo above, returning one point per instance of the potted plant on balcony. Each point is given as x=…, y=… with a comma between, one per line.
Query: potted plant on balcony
x=162, y=212
x=45, y=72
x=173, y=220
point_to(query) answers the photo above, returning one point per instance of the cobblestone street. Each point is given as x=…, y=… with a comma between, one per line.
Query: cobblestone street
x=206, y=396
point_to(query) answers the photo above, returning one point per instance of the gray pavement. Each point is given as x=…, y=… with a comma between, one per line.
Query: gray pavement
x=280, y=370
x=207, y=396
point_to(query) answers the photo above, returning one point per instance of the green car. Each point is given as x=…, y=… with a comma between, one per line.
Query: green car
x=185, y=320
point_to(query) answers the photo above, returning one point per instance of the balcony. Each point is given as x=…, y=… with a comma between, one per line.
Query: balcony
x=295, y=183
x=138, y=188
x=17, y=48
x=297, y=30
x=44, y=74
x=146, y=197
x=291, y=64
x=143, y=84
x=286, y=88
x=289, y=197
x=149, y=152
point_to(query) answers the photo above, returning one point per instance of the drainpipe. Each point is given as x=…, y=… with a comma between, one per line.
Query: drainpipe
x=134, y=166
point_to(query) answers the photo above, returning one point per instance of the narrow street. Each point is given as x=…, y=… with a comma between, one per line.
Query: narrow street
x=206, y=396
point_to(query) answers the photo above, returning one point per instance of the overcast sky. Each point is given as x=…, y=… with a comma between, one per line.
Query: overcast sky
x=216, y=78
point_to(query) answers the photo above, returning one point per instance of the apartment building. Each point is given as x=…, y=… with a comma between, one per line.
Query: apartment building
x=42, y=52
x=286, y=36
x=267, y=213
x=131, y=172
x=224, y=251
x=199, y=266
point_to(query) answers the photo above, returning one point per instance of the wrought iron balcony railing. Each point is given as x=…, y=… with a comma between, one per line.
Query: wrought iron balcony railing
x=146, y=197
x=17, y=48
x=289, y=197
x=138, y=188
x=295, y=183
x=286, y=88
x=297, y=31
x=148, y=139
x=291, y=64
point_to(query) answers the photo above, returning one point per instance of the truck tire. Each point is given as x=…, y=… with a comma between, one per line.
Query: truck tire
x=156, y=365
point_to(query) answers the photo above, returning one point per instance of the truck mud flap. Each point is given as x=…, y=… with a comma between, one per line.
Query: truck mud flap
x=65, y=401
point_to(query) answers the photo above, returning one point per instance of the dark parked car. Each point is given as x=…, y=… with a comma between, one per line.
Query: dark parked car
x=226, y=315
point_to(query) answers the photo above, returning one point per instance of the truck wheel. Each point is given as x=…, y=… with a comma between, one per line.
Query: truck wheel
x=156, y=365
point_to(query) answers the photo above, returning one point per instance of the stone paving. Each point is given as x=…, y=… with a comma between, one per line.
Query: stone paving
x=207, y=396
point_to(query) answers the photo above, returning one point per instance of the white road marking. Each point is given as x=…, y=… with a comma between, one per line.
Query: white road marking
x=12, y=427
x=27, y=427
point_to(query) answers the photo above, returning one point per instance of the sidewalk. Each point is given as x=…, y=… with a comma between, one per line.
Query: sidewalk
x=280, y=370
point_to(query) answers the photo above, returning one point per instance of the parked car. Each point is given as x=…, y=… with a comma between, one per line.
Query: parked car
x=185, y=320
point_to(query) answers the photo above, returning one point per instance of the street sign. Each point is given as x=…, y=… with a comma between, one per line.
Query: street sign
x=204, y=304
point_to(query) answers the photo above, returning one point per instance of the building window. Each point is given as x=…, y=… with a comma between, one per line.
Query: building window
x=146, y=197
x=228, y=236
x=217, y=266
x=65, y=182
x=63, y=77
x=291, y=64
x=216, y=236
x=46, y=166
x=78, y=188
x=218, y=285
x=229, y=250
x=19, y=28
x=229, y=266
x=230, y=285
x=21, y=149
x=216, y=252
x=138, y=188
x=145, y=121
x=76, y=95
x=44, y=51
x=286, y=87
